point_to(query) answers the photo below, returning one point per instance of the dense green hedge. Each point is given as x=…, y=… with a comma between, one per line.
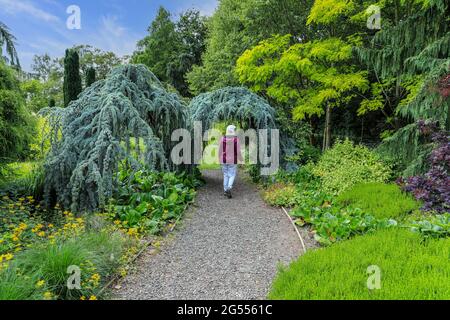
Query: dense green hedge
x=410, y=269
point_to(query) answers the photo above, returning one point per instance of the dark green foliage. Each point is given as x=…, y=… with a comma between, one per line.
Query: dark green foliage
x=410, y=269
x=94, y=134
x=90, y=77
x=419, y=45
x=380, y=200
x=52, y=103
x=236, y=26
x=172, y=48
x=159, y=48
x=16, y=124
x=8, y=41
x=72, y=78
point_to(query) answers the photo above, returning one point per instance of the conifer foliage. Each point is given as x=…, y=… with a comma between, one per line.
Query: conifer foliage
x=232, y=103
x=72, y=78
x=127, y=119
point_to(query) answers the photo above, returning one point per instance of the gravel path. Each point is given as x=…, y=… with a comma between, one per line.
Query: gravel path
x=226, y=249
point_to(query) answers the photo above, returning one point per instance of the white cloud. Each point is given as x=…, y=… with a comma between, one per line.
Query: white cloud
x=14, y=7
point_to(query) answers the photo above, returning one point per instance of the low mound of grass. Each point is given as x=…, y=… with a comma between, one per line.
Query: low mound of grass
x=410, y=269
x=380, y=200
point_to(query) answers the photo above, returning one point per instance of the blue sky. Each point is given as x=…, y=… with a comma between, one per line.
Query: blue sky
x=112, y=25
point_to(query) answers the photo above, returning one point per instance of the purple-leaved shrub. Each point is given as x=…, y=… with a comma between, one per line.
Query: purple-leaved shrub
x=433, y=188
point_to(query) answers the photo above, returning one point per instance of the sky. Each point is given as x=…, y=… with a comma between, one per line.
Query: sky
x=40, y=26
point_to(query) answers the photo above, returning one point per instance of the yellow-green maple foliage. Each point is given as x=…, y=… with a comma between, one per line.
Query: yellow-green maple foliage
x=307, y=76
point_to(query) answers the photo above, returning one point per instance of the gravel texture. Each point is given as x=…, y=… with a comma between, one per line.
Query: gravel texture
x=226, y=249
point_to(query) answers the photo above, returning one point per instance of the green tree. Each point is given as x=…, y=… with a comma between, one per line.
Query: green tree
x=192, y=32
x=157, y=49
x=7, y=40
x=90, y=77
x=16, y=124
x=238, y=25
x=313, y=77
x=102, y=61
x=72, y=78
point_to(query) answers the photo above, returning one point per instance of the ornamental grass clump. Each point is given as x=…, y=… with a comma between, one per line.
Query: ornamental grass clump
x=92, y=136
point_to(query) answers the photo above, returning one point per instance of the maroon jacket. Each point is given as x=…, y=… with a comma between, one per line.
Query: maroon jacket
x=230, y=150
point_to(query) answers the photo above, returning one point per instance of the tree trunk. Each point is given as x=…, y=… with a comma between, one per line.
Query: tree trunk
x=327, y=130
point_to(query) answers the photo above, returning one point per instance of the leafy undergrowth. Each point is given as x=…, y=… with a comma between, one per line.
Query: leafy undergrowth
x=41, y=248
x=146, y=202
x=331, y=222
x=379, y=199
x=432, y=227
x=410, y=269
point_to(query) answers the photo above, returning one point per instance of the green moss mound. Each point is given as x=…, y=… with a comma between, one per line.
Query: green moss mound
x=380, y=200
x=410, y=269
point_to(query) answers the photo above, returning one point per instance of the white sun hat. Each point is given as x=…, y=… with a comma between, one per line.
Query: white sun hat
x=231, y=130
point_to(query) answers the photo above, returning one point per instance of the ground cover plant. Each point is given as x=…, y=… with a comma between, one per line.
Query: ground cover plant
x=381, y=200
x=410, y=269
x=147, y=201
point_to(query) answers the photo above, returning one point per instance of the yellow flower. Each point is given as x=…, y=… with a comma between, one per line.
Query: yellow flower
x=92, y=298
x=50, y=225
x=15, y=238
x=41, y=234
x=40, y=284
x=48, y=295
x=117, y=222
x=83, y=298
x=8, y=256
x=21, y=199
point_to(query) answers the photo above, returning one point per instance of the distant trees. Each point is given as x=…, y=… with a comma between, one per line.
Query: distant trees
x=172, y=48
x=72, y=78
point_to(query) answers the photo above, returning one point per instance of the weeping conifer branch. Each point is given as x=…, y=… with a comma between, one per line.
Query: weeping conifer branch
x=418, y=45
x=94, y=135
x=232, y=103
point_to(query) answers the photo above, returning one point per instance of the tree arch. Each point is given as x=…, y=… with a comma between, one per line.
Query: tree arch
x=232, y=103
x=237, y=104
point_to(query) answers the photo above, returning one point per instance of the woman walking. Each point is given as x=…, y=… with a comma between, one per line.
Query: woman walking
x=229, y=157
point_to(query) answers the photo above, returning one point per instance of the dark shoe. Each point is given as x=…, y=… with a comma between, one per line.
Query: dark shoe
x=229, y=195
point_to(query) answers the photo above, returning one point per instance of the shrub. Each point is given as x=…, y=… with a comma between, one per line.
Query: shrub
x=410, y=269
x=346, y=165
x=281, y=194
x=16, y=123
x=379, y=199
x=433, y=188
